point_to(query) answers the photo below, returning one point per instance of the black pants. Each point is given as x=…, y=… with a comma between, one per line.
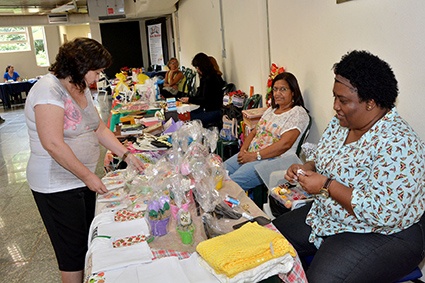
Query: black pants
x=207, y=117
x=354, y=257
x=67, y=216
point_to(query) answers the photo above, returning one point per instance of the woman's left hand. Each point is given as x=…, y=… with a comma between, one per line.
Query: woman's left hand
x=135, y=163
x=245, y=157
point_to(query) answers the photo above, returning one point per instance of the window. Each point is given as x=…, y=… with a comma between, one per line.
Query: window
x=14, y=39
x=40, y=46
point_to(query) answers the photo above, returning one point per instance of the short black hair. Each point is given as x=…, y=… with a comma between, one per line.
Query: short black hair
x=371, y=76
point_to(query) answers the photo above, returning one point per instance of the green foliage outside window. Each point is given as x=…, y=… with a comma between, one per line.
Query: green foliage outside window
x=14, y=39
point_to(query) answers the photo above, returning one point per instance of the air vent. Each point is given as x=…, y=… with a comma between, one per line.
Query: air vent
x=111, y=17
x=58, y=18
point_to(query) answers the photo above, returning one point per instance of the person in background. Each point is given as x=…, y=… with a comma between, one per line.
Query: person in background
x=173, y=77
x=10, y=74
x=209, y=95
x=215, y=64
x=65, y=130
x=276, y=133
x=366, y=221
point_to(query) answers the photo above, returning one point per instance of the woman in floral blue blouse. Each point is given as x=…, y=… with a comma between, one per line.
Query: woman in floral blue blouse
x=367, y=175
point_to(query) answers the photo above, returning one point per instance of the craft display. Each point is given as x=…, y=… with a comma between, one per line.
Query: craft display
x=185, y=227
x=161, y=197
x=159, y=215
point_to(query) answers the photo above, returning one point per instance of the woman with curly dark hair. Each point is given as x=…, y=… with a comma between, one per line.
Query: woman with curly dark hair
x=65, y=130
x=366, y=221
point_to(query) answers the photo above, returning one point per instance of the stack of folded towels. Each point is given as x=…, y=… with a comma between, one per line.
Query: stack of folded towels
x=244, y=249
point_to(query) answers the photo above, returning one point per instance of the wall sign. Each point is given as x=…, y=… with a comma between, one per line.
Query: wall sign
x=155, y=44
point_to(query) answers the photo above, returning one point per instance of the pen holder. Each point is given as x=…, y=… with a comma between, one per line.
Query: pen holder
x=159, y=227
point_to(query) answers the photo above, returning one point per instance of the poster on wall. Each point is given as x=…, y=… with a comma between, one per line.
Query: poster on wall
x=155, y=44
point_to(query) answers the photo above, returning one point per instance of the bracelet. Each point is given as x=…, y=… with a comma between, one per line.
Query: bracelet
x=125, y=155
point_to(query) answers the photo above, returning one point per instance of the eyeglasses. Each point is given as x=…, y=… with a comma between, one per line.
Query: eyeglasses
x=280, y=89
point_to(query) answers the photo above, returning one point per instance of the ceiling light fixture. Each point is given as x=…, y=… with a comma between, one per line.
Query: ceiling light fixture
x=65, y=8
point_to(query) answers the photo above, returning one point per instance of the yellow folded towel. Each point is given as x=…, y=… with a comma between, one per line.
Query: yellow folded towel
x=243, y=249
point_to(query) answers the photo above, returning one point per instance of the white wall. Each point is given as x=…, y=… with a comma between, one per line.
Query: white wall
x=199, y=27
x=308, y=37
x=313, y=35
x=24, y=62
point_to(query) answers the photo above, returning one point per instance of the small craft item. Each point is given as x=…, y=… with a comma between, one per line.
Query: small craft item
x=128, y=241
x=115, y=205
x=112, y=196
x=159, y=226
x=97, y=278
x=159, y=214
x=113, y=183
x=115, y=174
x=185, y=227
x=175, y=209
x=290, y=195
x=127, y=215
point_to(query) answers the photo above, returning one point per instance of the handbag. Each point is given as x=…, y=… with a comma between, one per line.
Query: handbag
x=229, y=132
x=171, y=90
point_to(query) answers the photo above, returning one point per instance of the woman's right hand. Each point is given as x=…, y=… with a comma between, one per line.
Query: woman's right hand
x=292, y=172
x=184, y=99
x=95, y=184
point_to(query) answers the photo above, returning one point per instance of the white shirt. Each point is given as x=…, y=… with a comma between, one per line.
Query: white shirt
x=44, y=174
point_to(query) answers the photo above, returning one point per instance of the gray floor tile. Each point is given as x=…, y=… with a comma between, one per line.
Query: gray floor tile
x=26, y=254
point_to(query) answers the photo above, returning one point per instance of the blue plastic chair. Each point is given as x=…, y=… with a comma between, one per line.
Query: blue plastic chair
x=412, y=276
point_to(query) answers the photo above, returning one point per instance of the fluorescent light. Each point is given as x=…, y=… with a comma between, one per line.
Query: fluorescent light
x=33, y=10
x=65, y=8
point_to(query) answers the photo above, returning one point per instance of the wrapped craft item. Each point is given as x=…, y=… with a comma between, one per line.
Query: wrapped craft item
x=243, y=249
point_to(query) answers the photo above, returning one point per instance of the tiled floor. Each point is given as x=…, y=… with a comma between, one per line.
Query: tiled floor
x=26, y=254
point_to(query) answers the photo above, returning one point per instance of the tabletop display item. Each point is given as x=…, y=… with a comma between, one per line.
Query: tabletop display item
x=290, y=195
x=159, y=215
x=185, y=227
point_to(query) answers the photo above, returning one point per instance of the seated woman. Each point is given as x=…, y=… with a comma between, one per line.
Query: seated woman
x=366, y=222
x=172, y=79
x=209, y=95
x=11, y=75
x=277, y=132
x=215, y=65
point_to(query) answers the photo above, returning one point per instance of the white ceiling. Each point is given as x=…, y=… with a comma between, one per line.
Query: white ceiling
x=37, y=7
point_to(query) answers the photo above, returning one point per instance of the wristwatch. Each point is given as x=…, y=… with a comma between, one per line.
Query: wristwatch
x=258, y=156
x=324, y=191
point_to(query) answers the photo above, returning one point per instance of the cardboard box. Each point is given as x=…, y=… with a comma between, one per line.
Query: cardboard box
x=252, y=116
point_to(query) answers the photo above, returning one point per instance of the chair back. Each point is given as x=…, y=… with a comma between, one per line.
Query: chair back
x=188, y=86
x=254, y=101
x=229, y=87
x=304, y=136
